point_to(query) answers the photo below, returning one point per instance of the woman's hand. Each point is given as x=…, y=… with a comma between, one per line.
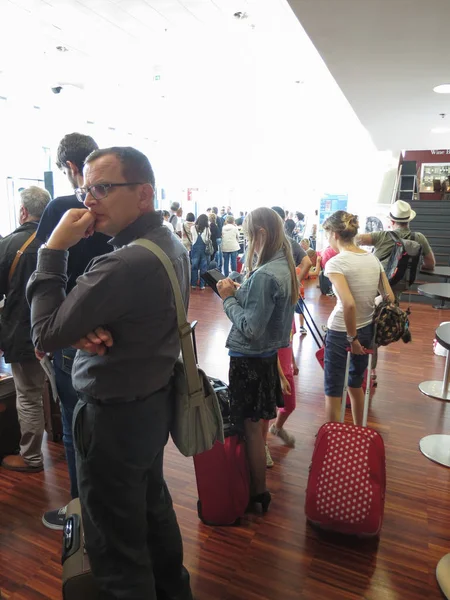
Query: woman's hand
x=226, y=288
x=285, y=386
x=294, y=368
x=357, y=348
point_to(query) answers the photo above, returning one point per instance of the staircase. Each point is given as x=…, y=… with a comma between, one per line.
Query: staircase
x=433, y=220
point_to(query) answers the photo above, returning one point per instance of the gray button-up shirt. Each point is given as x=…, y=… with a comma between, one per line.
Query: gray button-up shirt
x=129, y=293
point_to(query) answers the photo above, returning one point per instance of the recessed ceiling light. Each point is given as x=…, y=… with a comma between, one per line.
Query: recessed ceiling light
x=441, y=130
x=442, y=89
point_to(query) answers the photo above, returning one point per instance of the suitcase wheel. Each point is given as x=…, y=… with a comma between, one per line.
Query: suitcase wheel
x=200, y=516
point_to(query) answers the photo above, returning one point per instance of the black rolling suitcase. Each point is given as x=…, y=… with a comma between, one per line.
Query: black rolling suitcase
x=9, y=422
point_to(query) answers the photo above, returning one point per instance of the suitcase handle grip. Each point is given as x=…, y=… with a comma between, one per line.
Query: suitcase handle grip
x=71, y=537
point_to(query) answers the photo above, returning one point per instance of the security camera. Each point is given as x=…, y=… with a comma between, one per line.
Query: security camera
x=57, y=89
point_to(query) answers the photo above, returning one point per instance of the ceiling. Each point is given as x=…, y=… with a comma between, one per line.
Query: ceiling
x=226, y=99
x=386, y=56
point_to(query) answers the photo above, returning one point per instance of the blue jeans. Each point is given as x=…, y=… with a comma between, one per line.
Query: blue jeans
x=227, y=256
x=199, y=262
x=219, y=254
x=63, y=361
x=336, y=358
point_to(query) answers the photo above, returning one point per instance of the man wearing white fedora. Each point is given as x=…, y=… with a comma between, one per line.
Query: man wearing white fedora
x=400, y=215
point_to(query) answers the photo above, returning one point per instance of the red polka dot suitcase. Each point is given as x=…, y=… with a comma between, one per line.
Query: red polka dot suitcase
x=347, y=479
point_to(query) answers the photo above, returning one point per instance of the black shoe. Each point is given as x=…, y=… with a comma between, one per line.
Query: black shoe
x=264, y=499
x=54, y=519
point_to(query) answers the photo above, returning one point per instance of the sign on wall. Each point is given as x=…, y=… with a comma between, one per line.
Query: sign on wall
x=330, y=203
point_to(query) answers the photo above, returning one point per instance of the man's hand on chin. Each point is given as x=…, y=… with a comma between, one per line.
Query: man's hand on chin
x=76, y=224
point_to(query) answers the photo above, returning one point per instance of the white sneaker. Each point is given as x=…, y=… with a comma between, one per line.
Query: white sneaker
x=269, y=461
x=287, y=438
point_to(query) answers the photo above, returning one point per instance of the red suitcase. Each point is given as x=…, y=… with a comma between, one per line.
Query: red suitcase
x=223, y=482
x=347, y=479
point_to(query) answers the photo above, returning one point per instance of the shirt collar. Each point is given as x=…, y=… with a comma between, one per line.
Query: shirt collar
x=136, y=229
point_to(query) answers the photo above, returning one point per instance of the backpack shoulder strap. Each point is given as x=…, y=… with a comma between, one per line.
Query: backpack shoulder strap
x=184, y=327
x=19, y=253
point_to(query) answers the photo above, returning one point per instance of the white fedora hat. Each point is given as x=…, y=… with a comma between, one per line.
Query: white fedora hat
x=401, y=212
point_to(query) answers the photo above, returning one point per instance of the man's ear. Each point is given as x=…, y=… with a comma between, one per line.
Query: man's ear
x=73, y=167
x=23, y=214
x=146, y=198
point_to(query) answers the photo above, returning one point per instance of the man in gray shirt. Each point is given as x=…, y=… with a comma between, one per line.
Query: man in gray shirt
x=122, y=315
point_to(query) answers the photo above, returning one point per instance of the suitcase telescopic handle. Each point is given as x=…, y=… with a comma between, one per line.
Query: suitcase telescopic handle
x=71, y=537
x=366, y=395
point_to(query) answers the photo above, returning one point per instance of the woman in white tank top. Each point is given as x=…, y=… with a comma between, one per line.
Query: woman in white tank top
x=355, y=276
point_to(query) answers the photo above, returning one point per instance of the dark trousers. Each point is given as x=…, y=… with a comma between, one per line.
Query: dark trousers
x=63, y=362
x=131, y=531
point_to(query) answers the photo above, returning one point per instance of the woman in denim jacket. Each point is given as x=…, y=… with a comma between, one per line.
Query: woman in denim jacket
x=261, y=311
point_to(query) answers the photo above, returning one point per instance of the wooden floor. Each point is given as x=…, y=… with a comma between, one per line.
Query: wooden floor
x=278, y=556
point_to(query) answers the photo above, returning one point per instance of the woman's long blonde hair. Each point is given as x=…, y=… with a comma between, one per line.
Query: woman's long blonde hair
x=274, y=240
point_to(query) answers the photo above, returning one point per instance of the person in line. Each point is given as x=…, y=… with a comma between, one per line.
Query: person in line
x=312, y=255
x=186, y=237
x=166, y=220
x=173, y=217
x=199, y=258
x=302, y=263
x=219, y=254
x=125, y=385
x=230, y=245
x=400, y=215
x=261, y=313
x=214, y=230
x=71, y=154
x=17, y=263
x=180, y=221
x=300, y=257
x=356, y=277
x=323, y=256
x=287, y=369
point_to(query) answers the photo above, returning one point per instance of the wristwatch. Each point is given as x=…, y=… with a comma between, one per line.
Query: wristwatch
x=351, y=338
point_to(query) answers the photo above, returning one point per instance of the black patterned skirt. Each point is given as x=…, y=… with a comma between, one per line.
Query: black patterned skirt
x=255, y=389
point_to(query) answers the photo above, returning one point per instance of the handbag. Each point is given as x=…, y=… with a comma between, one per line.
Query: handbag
x=209, y=248
x=391, y=323
x=197, y=422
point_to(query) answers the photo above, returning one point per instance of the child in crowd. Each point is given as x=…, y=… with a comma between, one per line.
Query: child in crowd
x=287, y=368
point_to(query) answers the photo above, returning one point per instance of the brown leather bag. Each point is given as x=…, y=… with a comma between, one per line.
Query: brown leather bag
x=19, y=253
x=77, y=580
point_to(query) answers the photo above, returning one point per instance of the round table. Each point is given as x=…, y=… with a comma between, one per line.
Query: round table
x=437, y=447
x=440, y=291
x=440, y=389
x=438, y=272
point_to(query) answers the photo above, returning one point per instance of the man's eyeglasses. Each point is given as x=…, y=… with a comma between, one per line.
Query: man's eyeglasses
x=99, y=191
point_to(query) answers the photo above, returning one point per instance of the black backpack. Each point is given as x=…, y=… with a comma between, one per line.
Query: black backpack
x=405, y=260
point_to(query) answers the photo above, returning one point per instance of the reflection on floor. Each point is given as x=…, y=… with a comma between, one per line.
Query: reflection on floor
x=278, y=557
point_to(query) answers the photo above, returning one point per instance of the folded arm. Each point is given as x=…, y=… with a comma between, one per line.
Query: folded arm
x=57, y=320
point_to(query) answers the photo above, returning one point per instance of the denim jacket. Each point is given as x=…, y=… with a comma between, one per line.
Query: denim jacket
x=261, y=310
